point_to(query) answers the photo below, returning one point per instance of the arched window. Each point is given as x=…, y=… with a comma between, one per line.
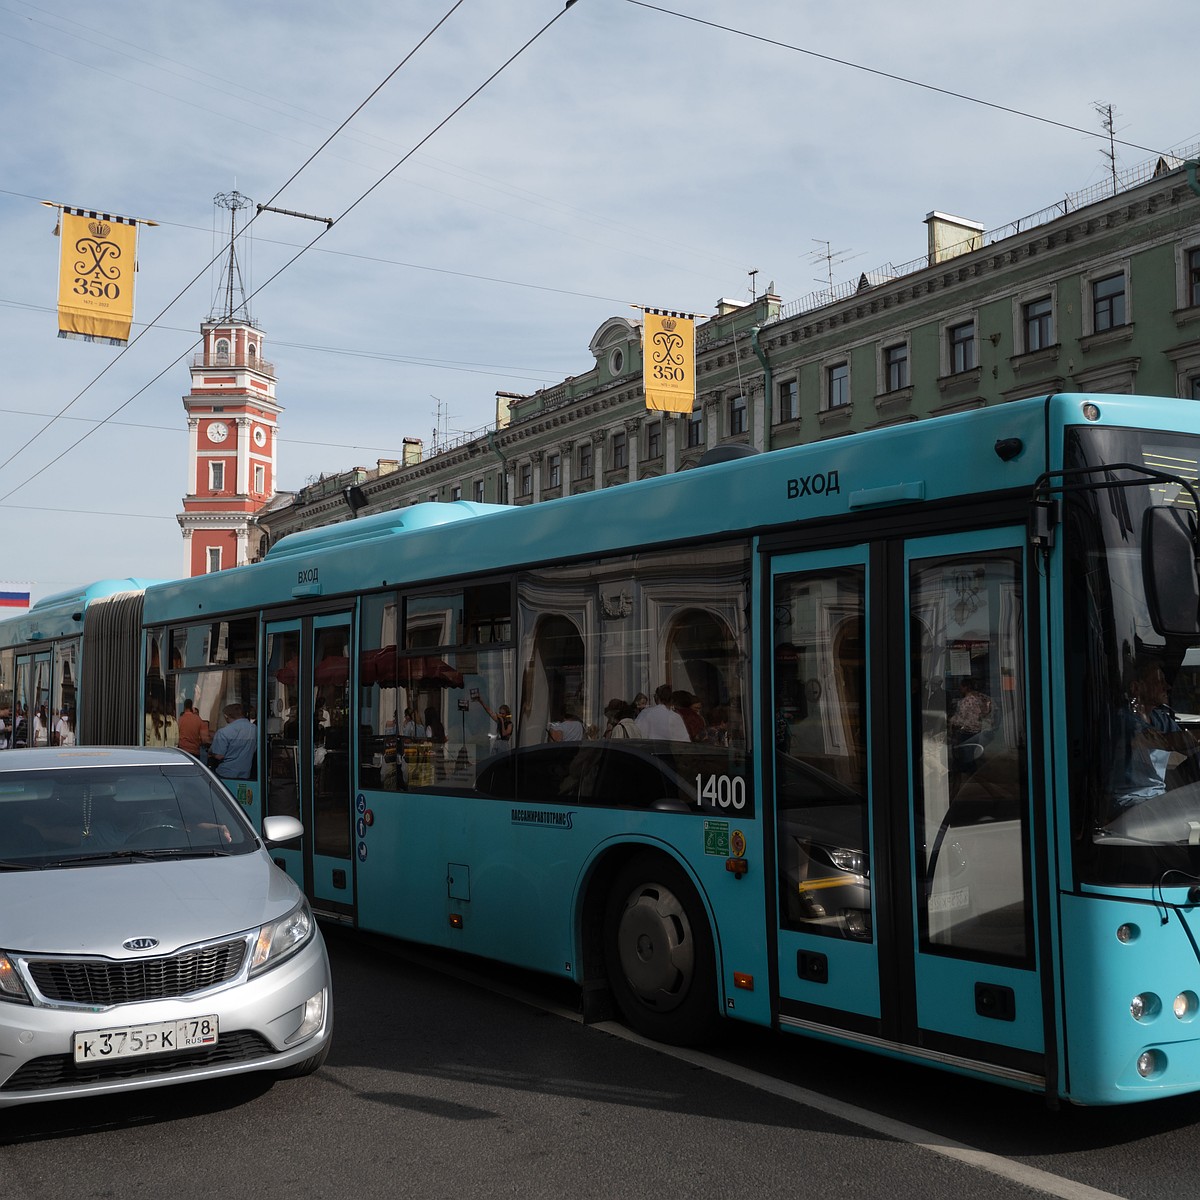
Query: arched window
x=222, y=350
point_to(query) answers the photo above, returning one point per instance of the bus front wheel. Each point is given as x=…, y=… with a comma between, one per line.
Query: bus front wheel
x=659, y=952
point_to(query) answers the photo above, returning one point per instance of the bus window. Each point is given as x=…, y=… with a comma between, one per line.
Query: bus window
x=664, y=630
x=820, y=752
x=969, y=725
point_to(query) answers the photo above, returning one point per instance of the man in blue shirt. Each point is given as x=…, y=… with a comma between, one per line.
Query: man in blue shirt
x=234, y=744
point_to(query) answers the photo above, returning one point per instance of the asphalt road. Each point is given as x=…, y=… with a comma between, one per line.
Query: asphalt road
x=480, y=1082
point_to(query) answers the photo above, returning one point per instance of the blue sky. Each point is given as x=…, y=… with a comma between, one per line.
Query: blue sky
x=629, y=155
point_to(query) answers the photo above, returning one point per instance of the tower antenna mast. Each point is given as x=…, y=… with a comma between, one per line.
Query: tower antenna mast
x=233, y=201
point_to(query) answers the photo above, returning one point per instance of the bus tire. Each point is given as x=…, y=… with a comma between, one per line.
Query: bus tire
x=658, y=952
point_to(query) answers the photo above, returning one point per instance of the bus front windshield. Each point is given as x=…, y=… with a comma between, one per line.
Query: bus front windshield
x=1133, y=693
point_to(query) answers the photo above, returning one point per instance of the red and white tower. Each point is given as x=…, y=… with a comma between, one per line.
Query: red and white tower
x=232, y=420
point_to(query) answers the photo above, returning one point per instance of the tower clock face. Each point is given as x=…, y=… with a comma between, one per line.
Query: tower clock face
x=260, y=436
x=218, y=431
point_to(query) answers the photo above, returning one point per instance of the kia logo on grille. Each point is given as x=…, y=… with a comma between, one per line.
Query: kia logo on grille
x=142, y=943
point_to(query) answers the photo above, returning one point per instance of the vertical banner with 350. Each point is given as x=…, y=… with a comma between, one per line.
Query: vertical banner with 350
x=669, y=360
x=95, y=276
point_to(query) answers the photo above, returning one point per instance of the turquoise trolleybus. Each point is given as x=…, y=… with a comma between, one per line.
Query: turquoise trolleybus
x=885, y=740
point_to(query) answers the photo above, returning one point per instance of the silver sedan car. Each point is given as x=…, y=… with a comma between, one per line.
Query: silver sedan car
x=146, y=937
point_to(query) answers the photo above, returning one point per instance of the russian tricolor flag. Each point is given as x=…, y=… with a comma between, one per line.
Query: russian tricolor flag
x=14, y=599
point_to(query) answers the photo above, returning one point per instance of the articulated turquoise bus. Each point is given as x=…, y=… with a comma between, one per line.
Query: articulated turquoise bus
x=42, y=655
x=886, y=740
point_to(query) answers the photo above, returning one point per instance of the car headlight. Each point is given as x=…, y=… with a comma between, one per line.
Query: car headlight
x=279, y=940
x=11, y=987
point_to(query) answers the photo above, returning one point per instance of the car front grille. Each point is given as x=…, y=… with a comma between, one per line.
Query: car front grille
x=105, y=982
x=59, y=1070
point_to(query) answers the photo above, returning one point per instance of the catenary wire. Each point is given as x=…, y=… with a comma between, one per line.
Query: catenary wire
x=929, y=87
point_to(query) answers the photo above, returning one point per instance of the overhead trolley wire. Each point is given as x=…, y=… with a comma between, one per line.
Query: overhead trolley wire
x=917, y=83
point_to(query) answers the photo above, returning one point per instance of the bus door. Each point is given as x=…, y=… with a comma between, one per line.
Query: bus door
x=976, y=988
x=828, y=960
x=900, y=772
x=308, y=753
x=32, y=700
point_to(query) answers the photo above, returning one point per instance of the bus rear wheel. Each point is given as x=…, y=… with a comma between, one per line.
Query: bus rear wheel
x=659, y=952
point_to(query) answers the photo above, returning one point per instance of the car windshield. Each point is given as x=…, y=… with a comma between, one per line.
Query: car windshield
x=71, y=815
x=1133, y=692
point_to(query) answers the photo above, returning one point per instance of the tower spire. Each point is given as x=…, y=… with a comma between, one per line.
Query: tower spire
x=232, y=288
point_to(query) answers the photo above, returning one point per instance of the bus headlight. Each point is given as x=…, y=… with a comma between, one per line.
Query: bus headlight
x=1184, y=1005
x=1151, y=1063
x=1145, y=1007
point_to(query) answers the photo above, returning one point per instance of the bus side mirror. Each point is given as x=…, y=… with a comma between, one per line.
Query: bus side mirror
x=1169, y=565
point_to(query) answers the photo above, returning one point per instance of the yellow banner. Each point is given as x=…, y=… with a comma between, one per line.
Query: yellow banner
x=669, y=360
x=95, y=276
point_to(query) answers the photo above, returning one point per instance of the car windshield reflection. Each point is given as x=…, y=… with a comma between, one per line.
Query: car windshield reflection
x=59, y=818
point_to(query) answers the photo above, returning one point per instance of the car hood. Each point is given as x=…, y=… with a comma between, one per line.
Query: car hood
x=92, y=910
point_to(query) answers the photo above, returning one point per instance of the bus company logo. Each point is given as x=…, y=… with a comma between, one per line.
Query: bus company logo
x=547, y=820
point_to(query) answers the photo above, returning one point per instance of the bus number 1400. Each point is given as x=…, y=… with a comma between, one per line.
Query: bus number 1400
x=720, y=791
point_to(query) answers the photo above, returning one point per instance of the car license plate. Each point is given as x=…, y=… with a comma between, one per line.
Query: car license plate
x=131, y=1041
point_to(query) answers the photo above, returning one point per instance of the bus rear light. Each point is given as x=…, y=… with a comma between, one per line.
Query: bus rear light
x=1185, y=1005
x=1127, y=933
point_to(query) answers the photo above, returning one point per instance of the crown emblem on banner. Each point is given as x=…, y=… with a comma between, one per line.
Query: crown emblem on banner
x=99, y=228
x=669, y=323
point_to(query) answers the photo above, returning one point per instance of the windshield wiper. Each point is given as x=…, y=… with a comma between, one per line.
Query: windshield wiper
x=84, y=860
x=7, y=864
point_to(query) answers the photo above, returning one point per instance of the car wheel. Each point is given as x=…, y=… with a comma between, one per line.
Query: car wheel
x=313, y=1063
x=659, y=952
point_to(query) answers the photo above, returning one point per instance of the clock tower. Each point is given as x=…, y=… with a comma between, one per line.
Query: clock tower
x=232, y=421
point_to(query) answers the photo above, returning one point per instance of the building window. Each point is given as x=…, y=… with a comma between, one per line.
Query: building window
x=585, y=460
x=654, y=439
x=616, y=362
x=554, y=470
x=1108, y=302
x=1193, y=277
x=787, y=401
x=251, y=352
x=838, y=376
x=738, y=420
x=214, y=559
x=695, y=427
x=222, y=351
x=1195, y=387
x=456, y=492
x=525, y=479
x=961, y=340
x=216, y=476
x=895, y=367
x=260, y=479
x=620, y=450
x=1037, y=321
x=478, y=491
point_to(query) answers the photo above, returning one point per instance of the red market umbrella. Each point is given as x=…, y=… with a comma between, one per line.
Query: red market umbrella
x=332, y=671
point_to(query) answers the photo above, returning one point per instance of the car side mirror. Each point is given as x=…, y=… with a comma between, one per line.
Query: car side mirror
x=281, y=829
x=1169, y=561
